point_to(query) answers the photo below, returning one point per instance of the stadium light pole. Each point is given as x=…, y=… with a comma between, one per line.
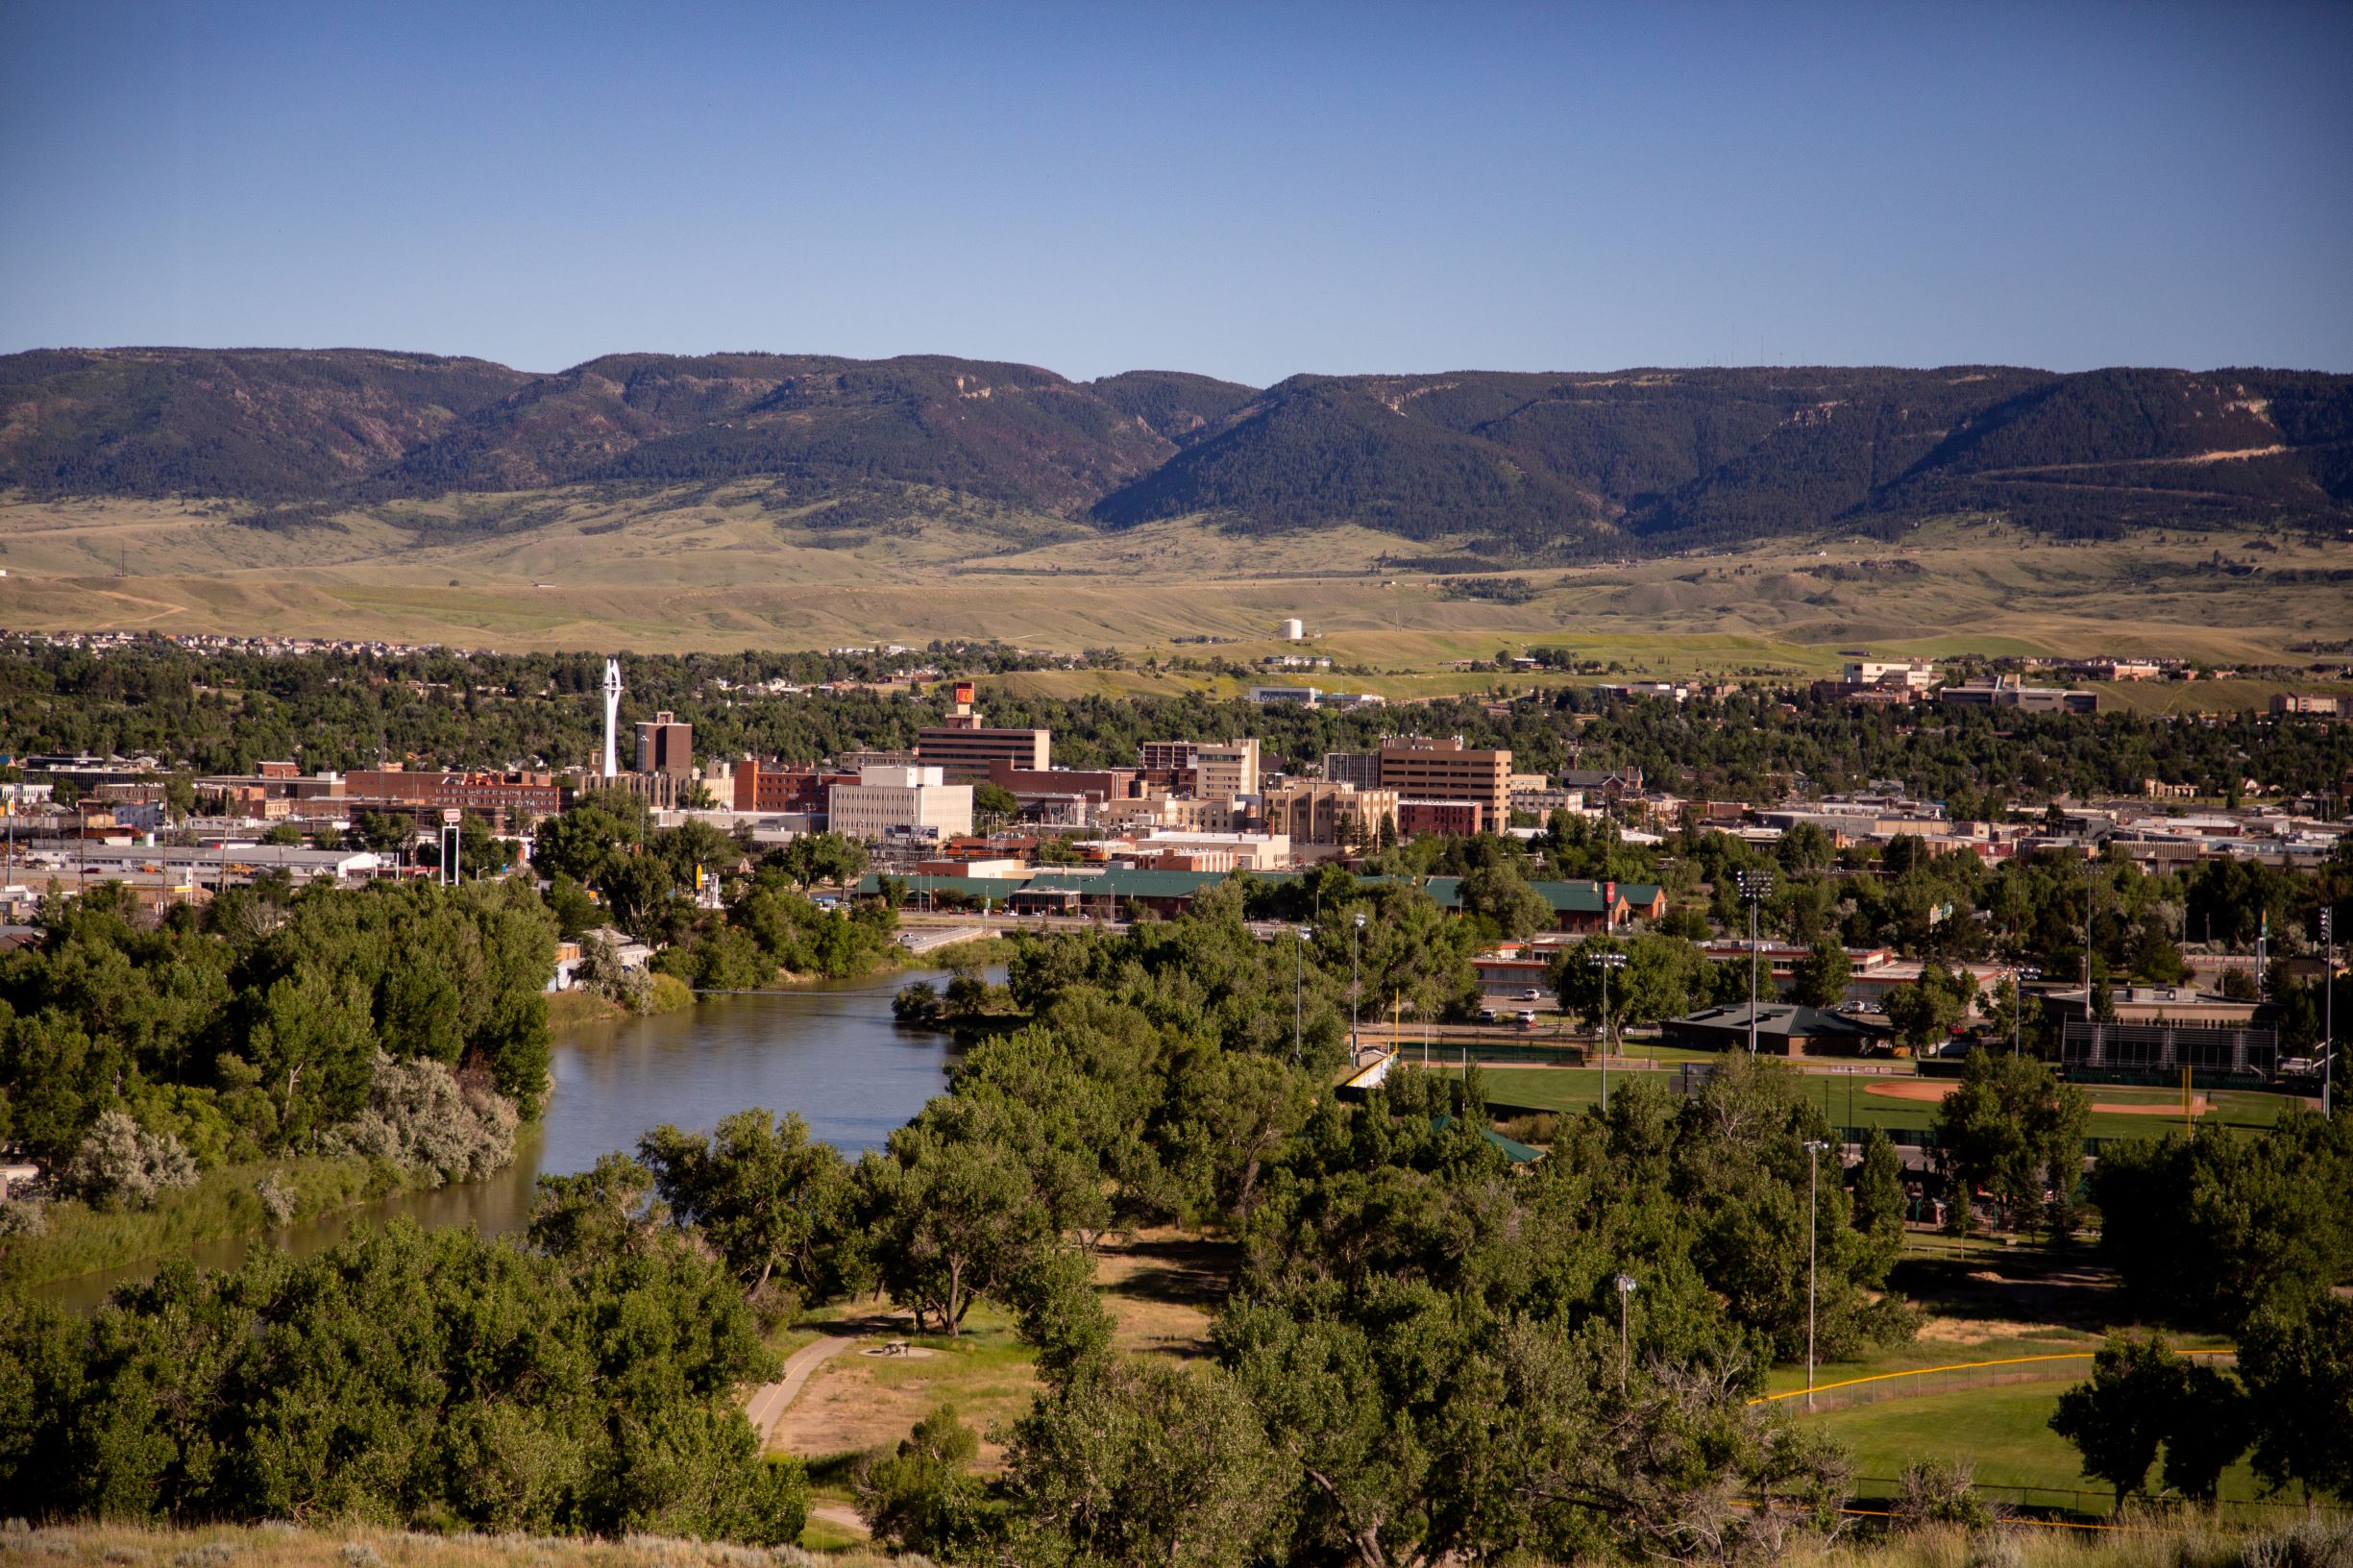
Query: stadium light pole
x=2328, y=1012
x=2020, y=974
x=1607, y=962
x=1626, y=1294
x=1813, y=1185
x=1755, y=887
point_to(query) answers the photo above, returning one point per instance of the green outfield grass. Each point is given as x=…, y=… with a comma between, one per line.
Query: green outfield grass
x=1847, y=1101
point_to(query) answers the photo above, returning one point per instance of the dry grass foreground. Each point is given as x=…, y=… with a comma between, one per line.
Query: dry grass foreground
x=713, y=569
x=2169, y=1542
x=1160, y=1288
x=327, y=1545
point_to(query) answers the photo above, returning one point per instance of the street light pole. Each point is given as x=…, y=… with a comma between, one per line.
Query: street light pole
x=1299, y=961
x=1354, y=927
x=1625, y=1291
x=1813, y=1157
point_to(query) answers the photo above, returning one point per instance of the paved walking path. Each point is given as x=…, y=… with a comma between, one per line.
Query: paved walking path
x=768, y=1402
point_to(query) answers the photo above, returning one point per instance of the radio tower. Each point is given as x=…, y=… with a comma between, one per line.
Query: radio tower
x=612, y=717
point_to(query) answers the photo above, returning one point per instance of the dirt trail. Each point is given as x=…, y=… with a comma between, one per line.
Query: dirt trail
x=1933, y=1092
x=767, y=1402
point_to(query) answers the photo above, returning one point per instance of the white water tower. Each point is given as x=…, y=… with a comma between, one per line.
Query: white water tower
x=1295, y=630
x=612, y=717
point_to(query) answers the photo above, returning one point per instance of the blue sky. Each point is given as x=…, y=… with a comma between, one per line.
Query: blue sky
x=1248, y=191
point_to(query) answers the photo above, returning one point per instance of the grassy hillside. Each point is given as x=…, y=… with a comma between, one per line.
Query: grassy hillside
x=717, y=567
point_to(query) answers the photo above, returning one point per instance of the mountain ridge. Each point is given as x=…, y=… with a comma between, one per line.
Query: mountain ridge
x=1568, y=464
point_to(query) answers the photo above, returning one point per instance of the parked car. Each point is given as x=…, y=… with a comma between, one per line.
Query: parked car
x=1528, y=1021
x=1531, y=994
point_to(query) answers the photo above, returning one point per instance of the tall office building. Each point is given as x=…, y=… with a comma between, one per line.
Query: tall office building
x=665, y=746
x=1222, y=771
x=961, y=749
x=1423, y=770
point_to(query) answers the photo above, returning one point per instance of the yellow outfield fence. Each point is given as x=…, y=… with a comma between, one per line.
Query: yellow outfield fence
x=1923, y=1382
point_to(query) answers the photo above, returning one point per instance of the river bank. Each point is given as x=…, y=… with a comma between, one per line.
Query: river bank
x=830, y=1051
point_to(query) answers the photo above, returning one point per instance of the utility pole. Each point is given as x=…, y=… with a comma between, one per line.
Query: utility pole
x=1755, y=887
x=2328, y=1012
x=2088, y=866
x=1607, y=962
x=1813, y=1177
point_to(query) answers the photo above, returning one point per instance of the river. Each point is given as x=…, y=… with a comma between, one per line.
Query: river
x=829, y=1051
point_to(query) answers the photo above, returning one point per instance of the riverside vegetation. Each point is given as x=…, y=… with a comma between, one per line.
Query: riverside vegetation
x=1421, y=1354
x=279, y=1051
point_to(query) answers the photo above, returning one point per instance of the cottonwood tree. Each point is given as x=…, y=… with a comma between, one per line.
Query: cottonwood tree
x=773, y=1201
x=2118, y=1418
x=1138, y=1463
x=948, y=1218
x=2015, y=1129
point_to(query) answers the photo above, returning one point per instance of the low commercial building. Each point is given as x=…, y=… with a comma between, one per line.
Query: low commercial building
x=1168, y=812
x=1092, y=786
x=509, y=797
x=1782, y=1029
x=1914, y=674
x=1251, y=851
x=2005, y=692
x=1445, y=818
x=769, y=787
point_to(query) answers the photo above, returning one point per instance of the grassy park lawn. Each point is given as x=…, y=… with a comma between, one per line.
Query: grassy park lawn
x=2003, y=1434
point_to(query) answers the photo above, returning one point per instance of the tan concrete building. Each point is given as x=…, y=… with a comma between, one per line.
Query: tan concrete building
x=1223, y=772
x=1180, y=813
x=1417, y=768
x=1315, y=811
x=902, y=802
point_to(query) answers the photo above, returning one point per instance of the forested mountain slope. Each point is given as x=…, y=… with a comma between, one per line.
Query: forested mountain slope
x=1627, y=463
x=1701, y=457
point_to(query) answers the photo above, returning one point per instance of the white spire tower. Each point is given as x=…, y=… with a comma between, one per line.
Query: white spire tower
x=612, y=717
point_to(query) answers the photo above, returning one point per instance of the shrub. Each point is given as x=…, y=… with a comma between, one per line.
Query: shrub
x=123, y=1165
x=421, y=1116
x=1940, y=1492
x=277, y=1195
x=23, y=1216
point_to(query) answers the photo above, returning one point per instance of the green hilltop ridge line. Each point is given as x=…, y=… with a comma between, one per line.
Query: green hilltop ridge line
x=1571, y=466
